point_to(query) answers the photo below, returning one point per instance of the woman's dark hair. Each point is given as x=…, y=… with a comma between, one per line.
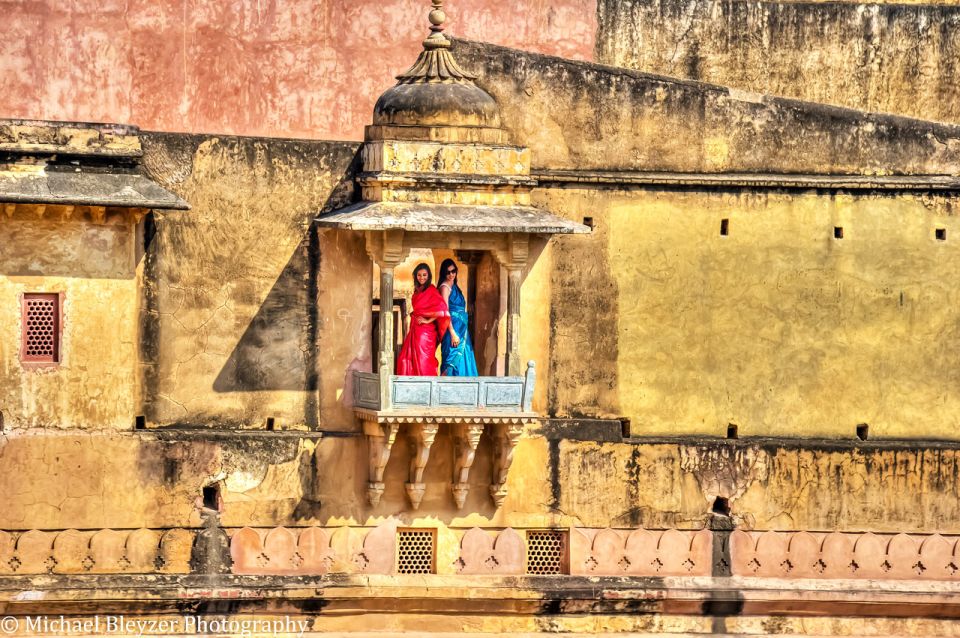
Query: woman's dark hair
x=422, y=266
x=442, y=276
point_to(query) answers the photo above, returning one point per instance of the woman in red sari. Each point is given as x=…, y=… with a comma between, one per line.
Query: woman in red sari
x=429, y=321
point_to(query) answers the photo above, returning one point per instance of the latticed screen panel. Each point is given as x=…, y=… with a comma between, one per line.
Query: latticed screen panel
x=416, y=551
x=546, y=552
x=41, y=328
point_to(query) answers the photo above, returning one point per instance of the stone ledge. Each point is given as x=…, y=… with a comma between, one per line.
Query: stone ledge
x=69, y=138
x=450, y=595
x=548, y=177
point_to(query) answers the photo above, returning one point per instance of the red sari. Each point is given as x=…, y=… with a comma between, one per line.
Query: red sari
x=418, y=355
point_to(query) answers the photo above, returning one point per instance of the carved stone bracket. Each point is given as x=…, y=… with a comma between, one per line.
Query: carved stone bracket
x=466, y=438
x=421, y=430
x=380, y=439
x=505, y=437
x=421, y=439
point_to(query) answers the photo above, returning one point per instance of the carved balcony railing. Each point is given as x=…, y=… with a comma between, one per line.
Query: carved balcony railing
x=468, y=406
x=483, y=394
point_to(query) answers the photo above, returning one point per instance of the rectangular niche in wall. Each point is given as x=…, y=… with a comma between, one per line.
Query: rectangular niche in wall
x=416, y=551
x=40, y=328
x=546, y=552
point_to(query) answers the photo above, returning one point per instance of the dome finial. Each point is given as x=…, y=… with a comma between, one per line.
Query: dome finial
x=437, y=17
x=435, y=63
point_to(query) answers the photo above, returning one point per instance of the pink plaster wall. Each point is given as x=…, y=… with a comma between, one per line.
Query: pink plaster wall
x=297, y=68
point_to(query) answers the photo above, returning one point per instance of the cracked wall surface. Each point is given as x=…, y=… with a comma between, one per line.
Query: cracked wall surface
x=154, y=480
x=128, y=481
x=233, y=301
x=888, y=57
x=774, y=485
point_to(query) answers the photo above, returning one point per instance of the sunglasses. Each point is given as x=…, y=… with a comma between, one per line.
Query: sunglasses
x=451, y=271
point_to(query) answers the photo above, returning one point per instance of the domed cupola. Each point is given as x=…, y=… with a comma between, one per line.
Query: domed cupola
x=435, y=99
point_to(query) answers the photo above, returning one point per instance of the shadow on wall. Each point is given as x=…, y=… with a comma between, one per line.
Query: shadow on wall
x=277, y=351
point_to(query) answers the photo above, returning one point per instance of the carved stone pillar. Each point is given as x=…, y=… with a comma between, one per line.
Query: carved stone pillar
x=421, y=439
x=466, y=437
x=514, y=259
x=385, y=338
x=514, y=276
x=387, y=249
x=505, y=439
x=380, y=440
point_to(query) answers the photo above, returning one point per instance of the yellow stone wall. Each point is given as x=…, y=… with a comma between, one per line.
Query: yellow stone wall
x=127, y=481
x=892, y=57
x=250, y=315
x=94, y=267
x=778, y=327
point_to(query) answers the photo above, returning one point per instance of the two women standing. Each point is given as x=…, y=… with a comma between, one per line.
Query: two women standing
x=437, y=315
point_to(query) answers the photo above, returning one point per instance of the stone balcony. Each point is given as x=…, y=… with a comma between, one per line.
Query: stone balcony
x=468, y=406
x=447, y=396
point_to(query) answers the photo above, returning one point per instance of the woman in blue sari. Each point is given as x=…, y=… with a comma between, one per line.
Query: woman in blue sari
x=456, y=353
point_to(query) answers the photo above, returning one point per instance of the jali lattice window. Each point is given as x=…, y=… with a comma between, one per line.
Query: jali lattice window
x=40, y=328
x=546, y=552
x=416, y=551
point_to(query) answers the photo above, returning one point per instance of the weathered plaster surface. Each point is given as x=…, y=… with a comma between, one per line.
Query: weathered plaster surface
x=98, y=480
x=585, y=116
x=232, y=305
x=93, y=266
x=777, y=327
x=770, y=485
x=94, y=481
x=889, y=57
x=295, y=68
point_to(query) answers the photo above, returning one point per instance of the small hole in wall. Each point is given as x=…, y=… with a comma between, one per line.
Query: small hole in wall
x=724, y=227
x=588, y=221
x=721, y=506
x=838, y=232
x=271, y=424
x=941, y=234
x=732, y=431
x=625, y=428
x=140, y=422
x=211, y=497
x=863, y=431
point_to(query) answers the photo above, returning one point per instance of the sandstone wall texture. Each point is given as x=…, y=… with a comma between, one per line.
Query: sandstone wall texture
x=93, y=267
x=778, y=327
x=154, y=480
x=251, y=67
x=585, y=116
x=234, y=299
x=886, y=57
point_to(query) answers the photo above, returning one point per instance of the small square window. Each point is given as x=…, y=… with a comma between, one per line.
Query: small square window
x=546, y=552
x=40, y=327
x=416, y=551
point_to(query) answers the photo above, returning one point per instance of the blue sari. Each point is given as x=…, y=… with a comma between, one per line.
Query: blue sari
x=459, y=361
